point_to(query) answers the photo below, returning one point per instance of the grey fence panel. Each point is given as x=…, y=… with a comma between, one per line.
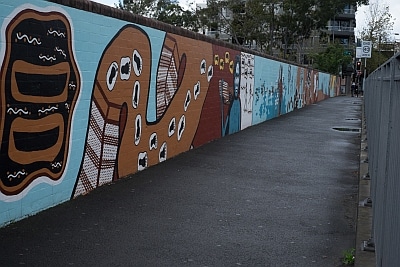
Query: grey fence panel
x=392, y=212
x=382, y=112
x=381, y=179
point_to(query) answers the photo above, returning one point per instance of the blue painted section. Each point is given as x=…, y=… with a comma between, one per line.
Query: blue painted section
x=266, y=93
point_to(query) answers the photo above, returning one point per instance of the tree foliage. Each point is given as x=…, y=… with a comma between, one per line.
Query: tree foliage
x=332, y=58
x=296, y=22
x=140, y=7
x=168, y=11
x=378, y=24
x=377, y=29
x=234, y=18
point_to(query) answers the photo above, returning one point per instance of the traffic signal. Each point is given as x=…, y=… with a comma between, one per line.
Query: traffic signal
x=358, y=65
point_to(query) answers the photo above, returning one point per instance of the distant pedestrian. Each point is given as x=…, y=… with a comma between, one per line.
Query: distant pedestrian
x=356, y=90
x=353, y=88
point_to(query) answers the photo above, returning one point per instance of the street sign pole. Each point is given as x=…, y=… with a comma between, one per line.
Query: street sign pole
x=365, y=70
x=366, y=53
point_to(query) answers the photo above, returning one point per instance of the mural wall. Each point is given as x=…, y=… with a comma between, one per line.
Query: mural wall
x=88, y=99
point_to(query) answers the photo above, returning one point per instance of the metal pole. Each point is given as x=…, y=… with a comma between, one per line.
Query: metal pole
x=395, y=44
x=365, y=70
x=379, y=50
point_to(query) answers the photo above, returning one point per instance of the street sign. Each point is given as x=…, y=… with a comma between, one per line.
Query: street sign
x=366, y=47
x=358, y=52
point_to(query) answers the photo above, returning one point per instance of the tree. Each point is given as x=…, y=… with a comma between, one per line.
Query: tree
x=295, y=22
x=245, y=21
x=378, y=25
x=250, y=22
x=212, y=18
x=227, y=17
x=140, y=7
x=168, y=11
x=332, y=59
x=172, y=13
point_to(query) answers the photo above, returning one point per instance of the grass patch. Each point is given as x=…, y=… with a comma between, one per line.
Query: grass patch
x=349, y=257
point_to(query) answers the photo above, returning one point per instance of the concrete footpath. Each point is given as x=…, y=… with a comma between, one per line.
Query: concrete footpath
x=282, y=193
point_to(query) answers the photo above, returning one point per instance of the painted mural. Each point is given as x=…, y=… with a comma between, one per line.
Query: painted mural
x=120, y=140
x=40, y=83
x=87, y=105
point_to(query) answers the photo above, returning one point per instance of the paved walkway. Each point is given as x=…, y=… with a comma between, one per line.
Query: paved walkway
x=283, y=193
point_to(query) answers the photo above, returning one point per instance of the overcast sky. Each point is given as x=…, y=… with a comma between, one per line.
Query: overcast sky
x=394, y=9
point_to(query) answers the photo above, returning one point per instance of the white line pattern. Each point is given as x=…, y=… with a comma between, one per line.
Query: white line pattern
x=18, y=111
x=56, y=165
x=17, y=174
x=61, y=51
x=48, y=58
x=29, y=39
x=57, y=33
x=47, y=109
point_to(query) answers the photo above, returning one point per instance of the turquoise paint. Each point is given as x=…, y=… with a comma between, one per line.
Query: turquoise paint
x=265, y=103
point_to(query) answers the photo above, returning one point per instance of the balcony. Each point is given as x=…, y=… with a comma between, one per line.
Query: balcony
x=340, y=30
x=349, y=13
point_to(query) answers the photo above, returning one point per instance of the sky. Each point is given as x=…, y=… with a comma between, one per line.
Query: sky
x=361, y=14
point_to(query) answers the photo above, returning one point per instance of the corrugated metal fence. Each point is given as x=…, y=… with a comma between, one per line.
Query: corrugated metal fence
x=382, y=112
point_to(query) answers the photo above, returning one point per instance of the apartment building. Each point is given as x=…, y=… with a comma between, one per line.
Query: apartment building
x=341, y=27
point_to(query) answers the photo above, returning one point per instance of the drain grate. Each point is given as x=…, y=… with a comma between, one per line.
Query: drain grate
x=344, y=129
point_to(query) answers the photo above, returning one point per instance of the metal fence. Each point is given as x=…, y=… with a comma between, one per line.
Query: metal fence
x=382, y=113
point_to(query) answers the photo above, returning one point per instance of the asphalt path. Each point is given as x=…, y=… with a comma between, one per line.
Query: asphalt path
x=282, y=193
